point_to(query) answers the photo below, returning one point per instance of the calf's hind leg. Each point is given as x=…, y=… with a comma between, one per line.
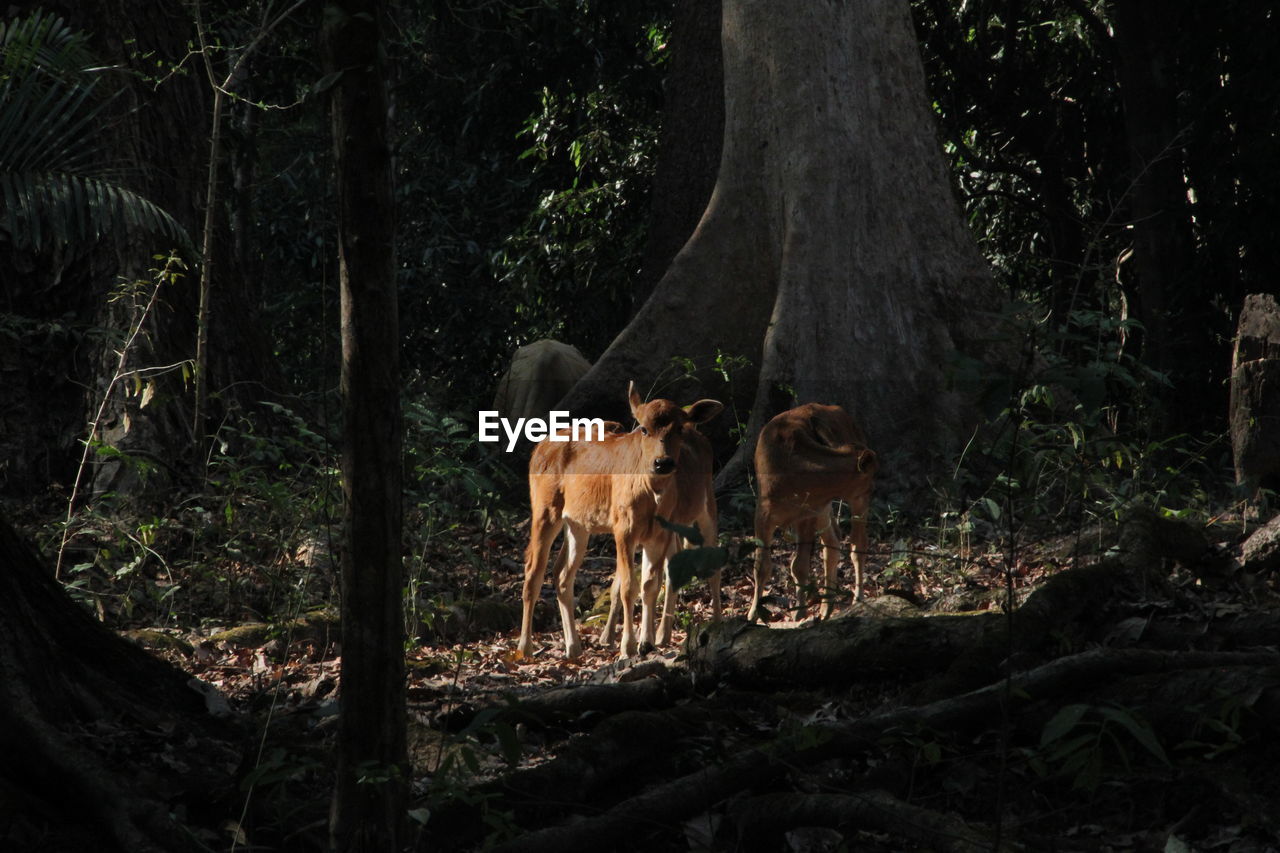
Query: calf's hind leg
x=859, y=508
x=800, y=563
x=762, y=572
x=830, y=562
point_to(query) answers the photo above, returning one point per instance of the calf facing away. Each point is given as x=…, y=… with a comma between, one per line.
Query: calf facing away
x=806, y=458
x=615, y=485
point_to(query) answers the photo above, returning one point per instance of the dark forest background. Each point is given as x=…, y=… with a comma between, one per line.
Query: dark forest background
x=170, y=361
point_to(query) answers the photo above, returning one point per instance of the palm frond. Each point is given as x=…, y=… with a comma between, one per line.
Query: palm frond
x=46, y=126
x=76, y=208
x=43, y=43
x=52, y=184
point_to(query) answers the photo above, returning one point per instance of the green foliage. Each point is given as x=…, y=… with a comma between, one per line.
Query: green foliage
x=464, y=755
x=52, y=182
x=283, y=784
x=255, y=540
x=452, y=482
x=1030, y=100
x=277, y=767
x=697, y=562
x=1071, y=441
x=450, y=476
x=42, y=43
x=282, y=476
x=1221, y=726
x=126, y=574
x=231, y=548
x=1085, y=741
x=1036, y=177
x=577, y=253
x=537, y=177
x=524, y=148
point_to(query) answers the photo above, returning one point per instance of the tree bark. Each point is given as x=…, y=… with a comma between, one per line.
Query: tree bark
x=63, y=674
x=836, y=652
x=692, y=131
x=368, y=811
x=1162, y=243
x=540, y=708
x=947, y=652
x=1255, y=394
x=832, y=255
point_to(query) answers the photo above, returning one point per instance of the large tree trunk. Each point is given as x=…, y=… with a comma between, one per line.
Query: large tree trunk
x=832, y=255
x=692, y=130
x=373, y=768
x=73, y=698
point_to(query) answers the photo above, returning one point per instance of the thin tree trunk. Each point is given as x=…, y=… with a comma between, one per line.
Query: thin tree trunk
x=373, y=771
x=1157, y=197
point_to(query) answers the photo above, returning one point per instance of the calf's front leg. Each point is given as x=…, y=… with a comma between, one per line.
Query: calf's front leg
x=624, y=583
x=652, y=573
x=542, y=533
x=575, y=546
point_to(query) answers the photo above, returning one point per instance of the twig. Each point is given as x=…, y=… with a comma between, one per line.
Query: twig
x=122, y=354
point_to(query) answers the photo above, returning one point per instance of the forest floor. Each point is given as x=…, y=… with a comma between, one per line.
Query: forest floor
x=917, y=734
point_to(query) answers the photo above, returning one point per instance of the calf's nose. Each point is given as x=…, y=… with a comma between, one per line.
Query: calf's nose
x=664, y=465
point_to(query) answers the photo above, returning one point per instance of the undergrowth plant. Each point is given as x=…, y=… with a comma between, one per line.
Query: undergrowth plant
x=143, y=296
x=267, y=514
x=1088, y=743
x=453, y=489
x=258, y=538
x=739, y=504
x=254, y=540
x=1070, y=442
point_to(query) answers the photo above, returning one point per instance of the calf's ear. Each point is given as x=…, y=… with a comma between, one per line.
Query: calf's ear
x=704, y=410
x=634, y=399
x=867, y=463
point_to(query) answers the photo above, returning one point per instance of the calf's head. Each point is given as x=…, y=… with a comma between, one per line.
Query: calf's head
x=661, y=425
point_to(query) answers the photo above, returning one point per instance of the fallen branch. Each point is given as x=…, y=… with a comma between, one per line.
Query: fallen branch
x=1080, y=603
x=656, y=808
x=855, y=648
x=1072, y=675
x=834, y=653
x=619, y=755
x=680, y=799
x=545, y=707
x=760, y=820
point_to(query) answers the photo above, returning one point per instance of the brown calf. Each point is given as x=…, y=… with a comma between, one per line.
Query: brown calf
x=695, y=507
x=615, y=485
x=805, y=459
